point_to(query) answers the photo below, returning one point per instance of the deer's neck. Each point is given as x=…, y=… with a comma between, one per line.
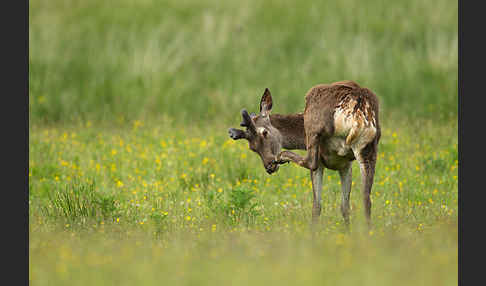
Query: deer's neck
x=291, y=128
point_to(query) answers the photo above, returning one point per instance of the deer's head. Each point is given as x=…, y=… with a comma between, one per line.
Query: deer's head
x=263, y=138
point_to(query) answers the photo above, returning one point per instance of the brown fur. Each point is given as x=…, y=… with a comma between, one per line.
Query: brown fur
x=292, y=129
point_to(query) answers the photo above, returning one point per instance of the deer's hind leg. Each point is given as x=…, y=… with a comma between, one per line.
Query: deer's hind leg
x=366, y=158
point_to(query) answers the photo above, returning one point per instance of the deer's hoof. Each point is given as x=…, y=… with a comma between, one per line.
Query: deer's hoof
x=280, y=161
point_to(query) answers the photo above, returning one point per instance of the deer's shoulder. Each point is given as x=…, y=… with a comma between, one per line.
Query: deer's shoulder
x=328, y=95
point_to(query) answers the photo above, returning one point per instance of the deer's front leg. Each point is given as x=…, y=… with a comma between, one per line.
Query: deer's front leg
x=288, y=156
x=316, y=177
x=346, y=176
x=310, y=161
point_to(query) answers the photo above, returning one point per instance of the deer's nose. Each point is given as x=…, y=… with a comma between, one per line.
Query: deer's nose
x=271, y=168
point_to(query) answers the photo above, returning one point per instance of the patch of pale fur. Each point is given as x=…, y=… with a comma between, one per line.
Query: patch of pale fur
x=343, y=123
x=349, y=125
x=365, y=136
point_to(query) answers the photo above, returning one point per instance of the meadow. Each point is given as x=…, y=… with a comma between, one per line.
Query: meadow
x=134, y=180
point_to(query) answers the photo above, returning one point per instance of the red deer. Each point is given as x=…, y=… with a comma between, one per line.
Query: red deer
x=339, y=125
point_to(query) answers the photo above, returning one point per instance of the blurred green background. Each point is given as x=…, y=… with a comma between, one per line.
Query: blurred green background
x=200, y=62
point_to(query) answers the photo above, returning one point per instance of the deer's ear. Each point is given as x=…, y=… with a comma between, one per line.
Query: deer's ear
x=266, y=103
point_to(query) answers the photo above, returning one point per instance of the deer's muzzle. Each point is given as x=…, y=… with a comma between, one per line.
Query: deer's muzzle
x=271, y=168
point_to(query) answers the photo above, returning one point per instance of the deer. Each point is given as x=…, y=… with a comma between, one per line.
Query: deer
x=338, y=126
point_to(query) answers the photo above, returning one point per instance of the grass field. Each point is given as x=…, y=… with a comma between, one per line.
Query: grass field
x=133, y=179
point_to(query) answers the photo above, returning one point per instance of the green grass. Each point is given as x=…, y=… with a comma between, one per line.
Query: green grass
x=244, y=259
x=78, y=201
x=202, y=61
x=170, y=205
x=133, y=179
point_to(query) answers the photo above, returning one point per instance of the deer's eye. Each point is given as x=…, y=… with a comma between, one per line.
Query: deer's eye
x=262, y=131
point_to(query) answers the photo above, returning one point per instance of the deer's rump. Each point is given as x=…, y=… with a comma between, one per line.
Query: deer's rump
x=344, y=116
